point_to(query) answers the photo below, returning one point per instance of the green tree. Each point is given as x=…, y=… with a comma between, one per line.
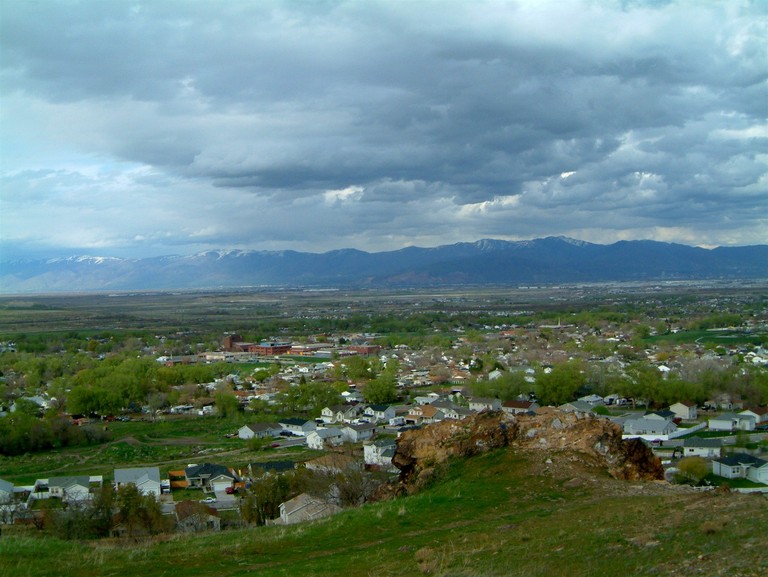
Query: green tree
x=692, y=470
x=136, y=512
x=382, y=389
x=227, y=405
x=561, y=384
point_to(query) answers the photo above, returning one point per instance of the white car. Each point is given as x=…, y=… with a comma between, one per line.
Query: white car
x=208, y=500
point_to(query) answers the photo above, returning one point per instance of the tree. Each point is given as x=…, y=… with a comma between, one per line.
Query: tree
x=561, y=384
x=692, y=470
x=382, y=389
x=136, y=512
x=226, y=403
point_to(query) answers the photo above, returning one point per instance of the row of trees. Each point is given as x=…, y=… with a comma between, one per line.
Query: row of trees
x=21, y=432
x=125, y=512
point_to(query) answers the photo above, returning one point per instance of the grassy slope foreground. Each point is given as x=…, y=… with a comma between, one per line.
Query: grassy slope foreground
x=503, y=513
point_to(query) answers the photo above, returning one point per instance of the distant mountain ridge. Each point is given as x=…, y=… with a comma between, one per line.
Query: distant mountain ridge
x=540, y=261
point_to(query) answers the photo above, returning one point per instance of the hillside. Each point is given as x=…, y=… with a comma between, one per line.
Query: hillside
x=486, y=262
x=506, y=512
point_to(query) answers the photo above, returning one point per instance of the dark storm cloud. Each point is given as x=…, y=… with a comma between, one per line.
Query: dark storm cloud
x=377, y=124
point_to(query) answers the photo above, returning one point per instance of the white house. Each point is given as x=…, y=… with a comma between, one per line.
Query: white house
x=732, y=422
x=741, y=466
x=259, y=430
x=760, y=414
x=358, y=433
x=685, y=410
x=592, y=399
x=380, y=412
x=339, y=413
x=145, y=479
x=698, y=447
x=516, y=407
x=75, y=488
x=299, y=427
x=484, y=404
x=380, y=453
x=321, y=439
x=644, y=426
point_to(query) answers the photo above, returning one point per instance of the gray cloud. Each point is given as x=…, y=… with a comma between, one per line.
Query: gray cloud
x=176, y=126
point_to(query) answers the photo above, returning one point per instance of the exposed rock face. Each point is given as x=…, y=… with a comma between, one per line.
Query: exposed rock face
x=596, y=441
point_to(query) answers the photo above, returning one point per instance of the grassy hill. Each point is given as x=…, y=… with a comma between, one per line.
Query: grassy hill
x=503, y=513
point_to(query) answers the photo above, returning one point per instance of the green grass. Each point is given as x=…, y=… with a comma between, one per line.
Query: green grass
x=171, y=443
x=492, y=515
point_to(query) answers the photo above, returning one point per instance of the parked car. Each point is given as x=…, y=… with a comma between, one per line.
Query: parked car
x=208, y=500
x=230, y=490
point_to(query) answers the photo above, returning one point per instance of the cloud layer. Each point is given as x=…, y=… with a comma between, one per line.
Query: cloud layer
x=141, y=128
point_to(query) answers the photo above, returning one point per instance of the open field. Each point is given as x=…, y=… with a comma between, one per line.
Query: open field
x=330, y=310
x=503, y=513
x=171, y=443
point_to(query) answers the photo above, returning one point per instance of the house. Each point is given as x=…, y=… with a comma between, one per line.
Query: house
x=352, y=396
x=305, y=507
x=760, y=414
x=340, y=413
x=298, y=427
x=456, y=413
x=426, y=399
x=592, y=399
x=732, y=422
x=741, y=466
x=645, y=426
x=145, y=479
x=193, y=517
x=698, y=447
x=380, y=413
x=70, y=488
x=576, y=406
x=661, y=415
x=320, y=439
x=685, y=410
x=210, y=477
x=358, y=433
x=484, y=404
x=259, y=431
x=517, y=407
x=725, y=402
x=380, y=453
x=424, y=414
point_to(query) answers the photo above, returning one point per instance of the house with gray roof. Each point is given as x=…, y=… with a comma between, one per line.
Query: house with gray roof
x=741, y=466
x=210, y=477
x=699, y=447
x=259, y=431
x=732, y=422
x=643, y=426
x=145, y=479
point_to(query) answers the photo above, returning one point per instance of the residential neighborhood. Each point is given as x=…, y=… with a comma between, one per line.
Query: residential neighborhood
x=334, y=404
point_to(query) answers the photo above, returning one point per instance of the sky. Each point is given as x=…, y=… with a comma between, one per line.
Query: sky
x=139, y=129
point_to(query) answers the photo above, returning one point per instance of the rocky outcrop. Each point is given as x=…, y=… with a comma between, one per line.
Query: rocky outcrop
x=596, y=441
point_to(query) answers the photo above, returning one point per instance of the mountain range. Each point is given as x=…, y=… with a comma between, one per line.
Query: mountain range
x=551, y=260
